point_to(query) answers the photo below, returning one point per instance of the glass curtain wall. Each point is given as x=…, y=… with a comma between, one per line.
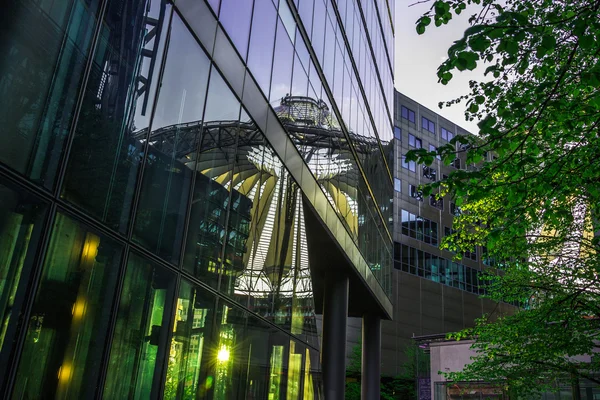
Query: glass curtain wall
x=345, y=156
x=152, y=244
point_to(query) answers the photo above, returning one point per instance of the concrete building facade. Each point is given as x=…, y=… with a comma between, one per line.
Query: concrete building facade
x=432, y=293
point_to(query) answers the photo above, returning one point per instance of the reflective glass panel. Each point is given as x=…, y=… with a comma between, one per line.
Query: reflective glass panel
x=235, y=17
x=139, y=342
x=67, y=328
x=112, y=128
x=45, y=47
x=171, y=155
x=260, y=54
x=21, y=222
x=283, y=60
x=203, y=255
x=190, y=352
x=266, y=260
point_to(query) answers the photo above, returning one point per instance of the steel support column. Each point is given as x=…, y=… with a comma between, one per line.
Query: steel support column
x=371, y=357
x=333, y=351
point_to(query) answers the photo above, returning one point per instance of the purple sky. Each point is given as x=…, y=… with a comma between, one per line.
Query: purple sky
x=418, y=56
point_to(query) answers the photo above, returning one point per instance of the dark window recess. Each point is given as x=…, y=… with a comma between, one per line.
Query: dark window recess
x=397, y=133
x=437, y=203
x=428, y=125
x=419, y=228
x=429, y=173
x=414, y=141
x=415, y=193
x=486, y=258
x=447, y=135
x=409, y=165
x=408, y=114
x=472, y=254
x=456, y=163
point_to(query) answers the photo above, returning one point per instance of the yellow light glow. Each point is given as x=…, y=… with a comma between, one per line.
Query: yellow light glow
x=223, y=354
x=78, y=308
x=64, y=373
x=90, y=249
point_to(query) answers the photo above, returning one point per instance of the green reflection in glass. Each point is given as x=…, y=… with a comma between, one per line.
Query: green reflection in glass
x=294, y=373
x=309, y=388
x=190, y=327
x=224, y=358
x=275, y=373
x=45, y=47
x=141, y=331
x=65, y=338
x=21, y=220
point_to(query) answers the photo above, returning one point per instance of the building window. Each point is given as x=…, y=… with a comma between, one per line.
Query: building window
x=408, y=114
x=428, y=125
x=471, y=254
x=397, y=185
x=414, y=141
x=419, y=228
x=415, y=193
x=486, y=258
x=447, y=135
x=432, y=148
x=409, y=165
x=397, y=133
x=429, y=173
x=456, y=163
x=437, y=203
x=438, y=269
x=455, y=210
x=78, y=280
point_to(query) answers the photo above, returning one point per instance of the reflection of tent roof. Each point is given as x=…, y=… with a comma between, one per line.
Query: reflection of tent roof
x=309, y=122
x=234, y=154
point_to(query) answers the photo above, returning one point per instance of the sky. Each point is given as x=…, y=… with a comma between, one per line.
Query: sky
x=418, y=57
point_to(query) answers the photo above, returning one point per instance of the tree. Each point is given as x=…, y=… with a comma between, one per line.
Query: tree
x=536, y=205
x=401, y=386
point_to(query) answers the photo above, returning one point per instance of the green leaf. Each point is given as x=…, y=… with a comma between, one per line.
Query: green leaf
x=587, y=42
x=479, y=43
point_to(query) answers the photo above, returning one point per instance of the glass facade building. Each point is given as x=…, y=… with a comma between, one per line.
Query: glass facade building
x=181, y=184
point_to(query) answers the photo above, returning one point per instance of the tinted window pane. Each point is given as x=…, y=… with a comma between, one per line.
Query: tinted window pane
x=45, y=47
x=21, y=223
x=171, y=156
x=212, y=184
x=282, y=66
x=140, y=337
x=105, y=157
x=260, y=55
x=266, y=248
x=235, y=17
x=67, y=328
x=190, y=352
x=208, y=358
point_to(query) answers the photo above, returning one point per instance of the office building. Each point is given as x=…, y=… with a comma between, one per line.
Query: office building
x=184, y=186
x=432, y=292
